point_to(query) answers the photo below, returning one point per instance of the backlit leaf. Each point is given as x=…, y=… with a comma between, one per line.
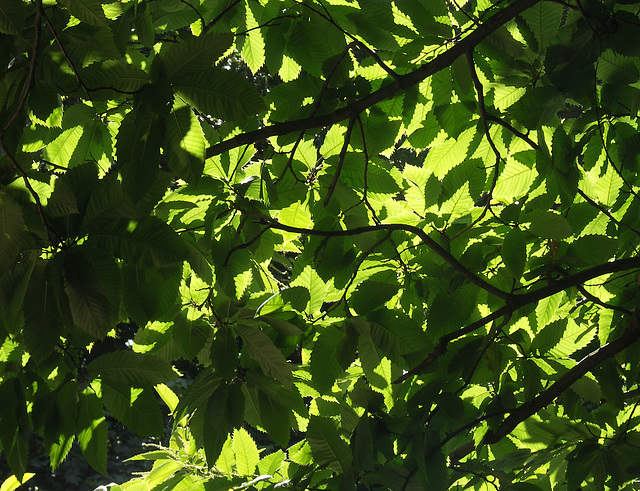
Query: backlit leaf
x=261, y=348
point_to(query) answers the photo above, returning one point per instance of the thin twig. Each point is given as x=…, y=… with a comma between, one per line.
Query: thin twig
x=66, y=55
x=516, y=301
x=343, y=153
x=365, y=188
x=196, y=11
x=220, y=15
x=483, y=118
x=32, y=191
x=328, y=17
x=314, y=111
x=404, y=82
x=589, y=362
x=428, y=241
x=32, y=69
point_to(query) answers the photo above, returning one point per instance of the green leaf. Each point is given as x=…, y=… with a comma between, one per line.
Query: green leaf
x=371, y=295
x=88, y=299
x=451, y=310
x=194, y=53
x=42, y=320
x=197, y=394
x=12, y=16
x=395, y=333
x=92, y=430
x=550, y=225
x=60, y=438
x=275, y=418
x=260, y=347
x=217, y=423
x=616, y=69
x=11, y=230
x=324, y=366
x=62, y=149
x=14, y=426
x=327, y=447
x=132, y=369
x=544, y=19
x=136, y=408
x=149, y=242
x=246, y=452
x=448, y=154
x=224, y=352
x=592, y=249
x=253, y=47
x=219, y=93
x=138, y=151
x=454, y=118
x=514, y=252
x=114, y=74
x=89, y=11
x=184, y=144
x=13, y=312
x=312, y=43
x=12, y=483
x=311, y=282
x=190, y=336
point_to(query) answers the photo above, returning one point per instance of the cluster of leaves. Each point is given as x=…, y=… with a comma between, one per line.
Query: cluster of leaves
x=403, y=231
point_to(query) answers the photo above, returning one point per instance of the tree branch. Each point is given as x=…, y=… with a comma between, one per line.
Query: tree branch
x=343, y=153
x=428, y=241
x=589, y=362
x=388, y=91
x=514, y=302
x=32, y=69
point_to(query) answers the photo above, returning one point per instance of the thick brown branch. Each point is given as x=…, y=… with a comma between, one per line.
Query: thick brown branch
x=441, y=347
x=402, y=83
x=589, y=362
x=514, y=302
x=575, y=280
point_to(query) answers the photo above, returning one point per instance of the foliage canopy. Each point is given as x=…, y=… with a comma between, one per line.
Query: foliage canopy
x=397, y=237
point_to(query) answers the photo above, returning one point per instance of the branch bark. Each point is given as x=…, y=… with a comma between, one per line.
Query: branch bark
x=514, y=302
x=403, y=82
x=629, y=336
x=428, y=241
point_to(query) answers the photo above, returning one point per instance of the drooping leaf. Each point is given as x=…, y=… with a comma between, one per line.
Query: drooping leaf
x=88, y=299
x=184, y=143
x=138, y=150
x=42, y=317
x=92, y=430
x=261, y=349
x=219, y=93
x=194, y=54
x=132, y=369
x=514, y=252
x=205, y=384
x=246, y=452
x=12, y=17
x=89, y=11
x=275, y=418
x=326, y=445
x=136, y=408
x=11, y=230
